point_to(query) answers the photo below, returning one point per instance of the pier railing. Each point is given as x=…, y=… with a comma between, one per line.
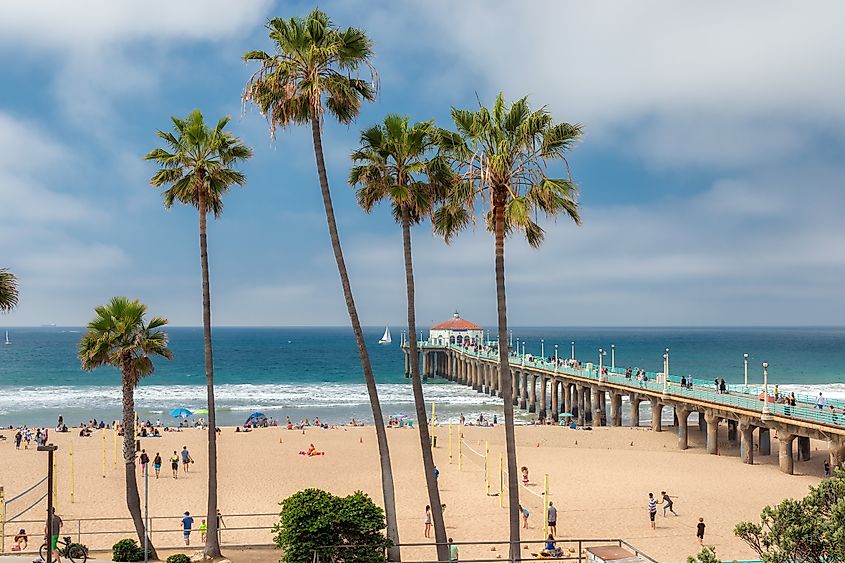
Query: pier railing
x=737, y=396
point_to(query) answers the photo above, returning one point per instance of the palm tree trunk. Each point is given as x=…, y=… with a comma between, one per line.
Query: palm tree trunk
x=133, y=499
x=381, y=434
x=212, y=537
x=499, y=197
x=419, y=400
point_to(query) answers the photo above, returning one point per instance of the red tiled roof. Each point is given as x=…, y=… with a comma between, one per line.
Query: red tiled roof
x=456, y=323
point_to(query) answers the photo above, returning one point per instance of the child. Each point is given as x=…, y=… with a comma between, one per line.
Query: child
x=428, y=521
x=700, y=531
x=524, y=475
x=203, y=530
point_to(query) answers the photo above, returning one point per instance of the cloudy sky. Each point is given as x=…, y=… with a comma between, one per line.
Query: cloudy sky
x=711, y=170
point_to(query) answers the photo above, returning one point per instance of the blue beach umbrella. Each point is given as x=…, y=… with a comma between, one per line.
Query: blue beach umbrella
x=255, y=416
x=180, y=413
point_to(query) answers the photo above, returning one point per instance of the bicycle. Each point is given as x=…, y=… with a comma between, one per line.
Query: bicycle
x=75, y=552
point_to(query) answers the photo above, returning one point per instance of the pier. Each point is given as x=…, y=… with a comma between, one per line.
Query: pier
x=592, y=394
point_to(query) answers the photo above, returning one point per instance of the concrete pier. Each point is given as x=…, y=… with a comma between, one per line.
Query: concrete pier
x=586, y=394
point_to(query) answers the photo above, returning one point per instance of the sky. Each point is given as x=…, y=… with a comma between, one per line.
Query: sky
x=710, y=171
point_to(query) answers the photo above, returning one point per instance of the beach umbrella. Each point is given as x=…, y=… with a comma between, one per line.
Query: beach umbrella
x=180, y=412
x=256, y=415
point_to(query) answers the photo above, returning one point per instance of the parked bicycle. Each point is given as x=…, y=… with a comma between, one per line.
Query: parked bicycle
x=75, y=552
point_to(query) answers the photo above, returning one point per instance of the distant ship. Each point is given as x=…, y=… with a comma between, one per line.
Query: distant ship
x=386, y=339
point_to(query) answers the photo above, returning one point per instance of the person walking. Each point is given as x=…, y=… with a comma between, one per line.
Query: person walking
x=827, y=468
x=203, y=530
x=145, y=460
x=220, y=525
x=699, y=533
x=18, y=438
x=820, y=401
x=157, y=464
x=552, y=519
x=453, y=550
x=52, y=535
x=667, y=504
x=427, y=521
x=174, y=464
x=187, y=522
x=652, y=510
x=186, y=459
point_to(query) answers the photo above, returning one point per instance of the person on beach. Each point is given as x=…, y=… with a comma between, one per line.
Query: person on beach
x=53, y=532
x=827, y=468
x=525, y=515
x=667, y=504
x=203, y=530
x=174, y=464
x=145, y=460
x=551, y=549
x=220, y=525
x=723, y=388
x=462, y=419
x=652, y=509
x=552, y=519
x=820, y=401
x=187, y=522
x=436, y=473
x=453, y=550
x=157, y=464
x=186, y=459
x=427, y=521
x=21, y=540
x=524, y=475
x=699, y=533
x=18, y=438
x=716, y=384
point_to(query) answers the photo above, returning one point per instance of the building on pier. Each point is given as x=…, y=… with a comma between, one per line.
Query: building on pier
x=456, y=331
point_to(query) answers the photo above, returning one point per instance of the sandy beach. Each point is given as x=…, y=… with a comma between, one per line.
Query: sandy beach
x=599, y=481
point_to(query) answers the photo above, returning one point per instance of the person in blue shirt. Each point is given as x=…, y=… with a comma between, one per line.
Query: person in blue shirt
x=187, y=522
x=436, y=472
x=551, y=549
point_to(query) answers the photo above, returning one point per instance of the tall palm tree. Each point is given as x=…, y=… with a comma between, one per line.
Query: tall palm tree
x=8, y=290
x=198, y=165
x=119, y=336
x=501, y=155
x=314, y=69
x=396, y=164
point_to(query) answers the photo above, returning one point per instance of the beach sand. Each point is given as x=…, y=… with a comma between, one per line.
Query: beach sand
x=599, y=481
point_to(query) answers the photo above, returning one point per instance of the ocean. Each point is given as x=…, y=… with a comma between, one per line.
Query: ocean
x=308, y=372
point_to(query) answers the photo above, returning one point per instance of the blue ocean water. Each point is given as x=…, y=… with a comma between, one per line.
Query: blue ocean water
x=307, y=372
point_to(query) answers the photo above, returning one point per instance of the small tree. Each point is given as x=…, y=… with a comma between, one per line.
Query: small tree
x=338, y=528
x=810, y=530
x=706, y=555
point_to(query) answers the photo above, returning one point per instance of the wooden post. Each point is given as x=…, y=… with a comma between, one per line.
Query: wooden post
x=2, y=520
x=104, y=454
x=461, y=449
x=546, y=506
x=487, y=466
x=72, y=482
x=450, y=442
x=501, y=481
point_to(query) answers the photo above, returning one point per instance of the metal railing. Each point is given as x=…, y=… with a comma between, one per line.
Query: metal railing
x=700, y=390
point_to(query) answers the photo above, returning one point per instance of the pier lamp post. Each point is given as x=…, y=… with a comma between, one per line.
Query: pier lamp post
x=666, y=372
x=572, y=354
x=667, y=361
x=523, y=352
x=543, y=349
x=601, y=353
x=745, y=361
x=510, y=340
x=50, y=449
x=613, y=356
x=555, y=357
x=765, y=414
x=421, y=336
x=517, y=346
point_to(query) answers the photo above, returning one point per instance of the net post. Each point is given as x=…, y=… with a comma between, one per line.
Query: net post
x=501, y=481
x=104, y=454
x=546, y=505
x=461, y=449
x=433, y=422
x=450, y=442
x=72, y=478
x=2, y=520
x=487, y=466
x=114, y=431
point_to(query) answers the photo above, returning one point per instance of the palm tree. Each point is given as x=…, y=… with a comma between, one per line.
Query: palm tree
x=313, y=69
x=8, y=291
x=501, y=155
x=198, y=167
x=395, y=165
x=119, y=336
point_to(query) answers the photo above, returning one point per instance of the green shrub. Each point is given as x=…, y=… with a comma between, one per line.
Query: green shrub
x=313, y=519
x=178, y=558
x=127, y=550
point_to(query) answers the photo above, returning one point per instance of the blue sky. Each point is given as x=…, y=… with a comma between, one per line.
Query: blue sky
x=711, y=169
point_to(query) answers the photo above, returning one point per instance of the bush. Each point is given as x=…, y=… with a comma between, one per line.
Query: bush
x=127, y=550
x=317, y=520
x=178, y=558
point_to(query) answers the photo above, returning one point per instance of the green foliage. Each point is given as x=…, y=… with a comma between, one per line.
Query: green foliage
x=118, y=336
x=313, y=519
x=809, y=530
x=706, y=555
x=8, y=290
x=198, y=162
x=127, y=550
x=315, y=67
x=178, y=558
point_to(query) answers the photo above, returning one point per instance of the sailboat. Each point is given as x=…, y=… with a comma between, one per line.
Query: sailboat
x=7, y=337
x=386, y=339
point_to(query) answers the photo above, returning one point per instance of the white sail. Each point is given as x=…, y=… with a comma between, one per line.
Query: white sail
x=7, y=337
x=386, y=339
